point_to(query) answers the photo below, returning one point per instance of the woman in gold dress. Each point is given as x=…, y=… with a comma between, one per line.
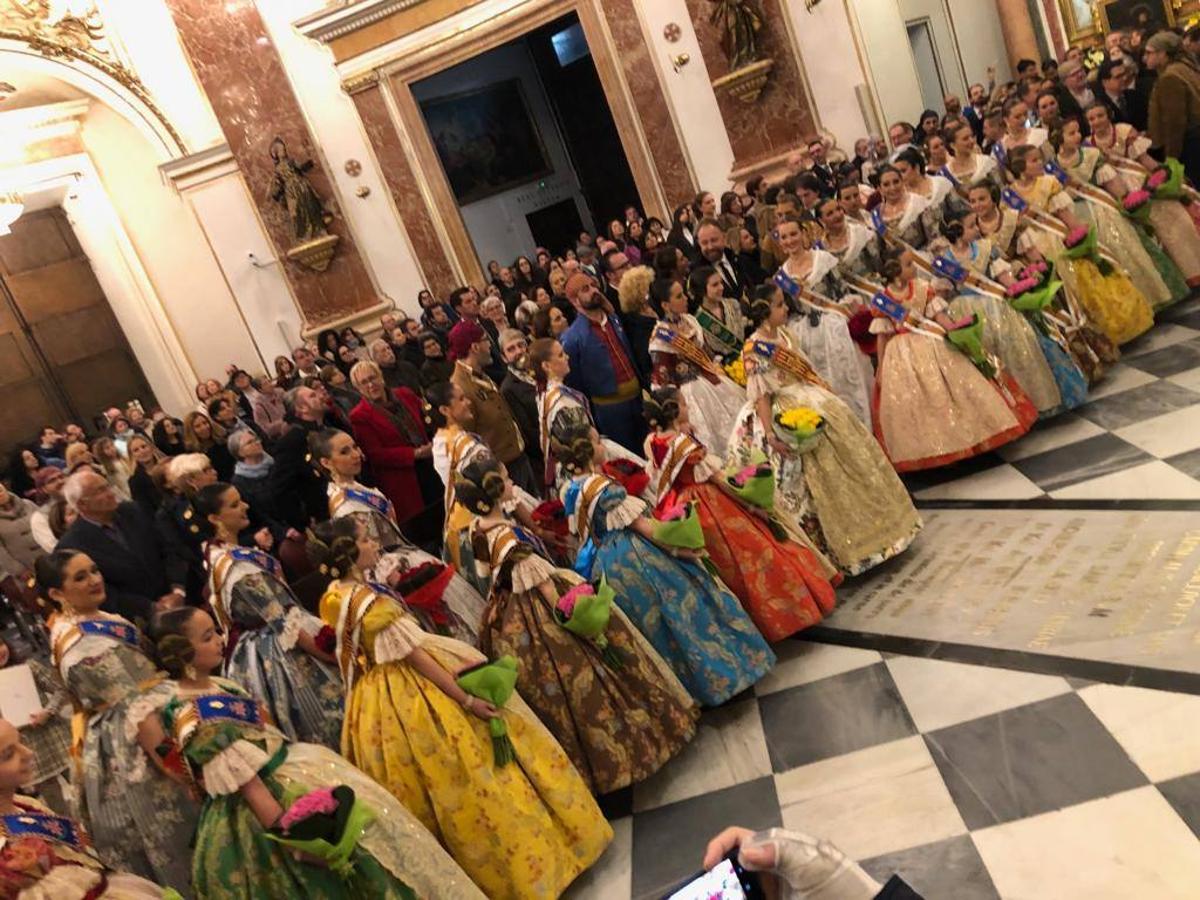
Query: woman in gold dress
x=524, y=829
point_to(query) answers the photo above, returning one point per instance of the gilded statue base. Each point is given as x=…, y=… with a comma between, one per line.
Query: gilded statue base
x=747, y=82
x=315, y=254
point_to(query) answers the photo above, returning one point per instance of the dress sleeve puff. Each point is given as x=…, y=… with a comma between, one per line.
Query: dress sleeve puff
x=616, y=509
x=295, y=621
x=529, y=570
x=758, y=382
x=1105, y=173
x=390, y=634
x=233, y=767
x=1059, y=200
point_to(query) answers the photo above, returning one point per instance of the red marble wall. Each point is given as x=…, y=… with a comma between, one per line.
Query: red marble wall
x=244, y=78
x=780, y=120
x=402, y=182
x=650, y=102
x=1056, y=37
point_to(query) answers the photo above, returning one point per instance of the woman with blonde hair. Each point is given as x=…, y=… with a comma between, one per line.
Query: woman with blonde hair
x=202, y=435
x=638, y=316
x=114, y=468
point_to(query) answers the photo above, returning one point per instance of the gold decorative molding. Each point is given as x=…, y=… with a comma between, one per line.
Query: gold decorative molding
x=358, y=26
x=315, y=254
x=75, y=38
x=746, y=83
x=361, y=82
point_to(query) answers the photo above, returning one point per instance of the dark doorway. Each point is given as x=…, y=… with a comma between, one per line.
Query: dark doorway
x=569, y=76
x=555, y=227
x=63, y=357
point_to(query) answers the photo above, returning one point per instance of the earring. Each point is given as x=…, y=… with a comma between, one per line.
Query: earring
x=189, y=672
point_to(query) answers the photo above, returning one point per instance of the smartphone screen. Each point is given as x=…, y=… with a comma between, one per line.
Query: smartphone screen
x=722, y=882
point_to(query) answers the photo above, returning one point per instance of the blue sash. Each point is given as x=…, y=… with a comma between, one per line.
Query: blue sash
x=787, y=283
x=254, y=556
x=1053, y=168
x=877, y=222
x=999, y=153
x=119, y=631
x=1013, y=200
x=890, y=308
x=945, y=172
x=377, y=502
x=227, y=707
x=42, y=825
x=949, y=269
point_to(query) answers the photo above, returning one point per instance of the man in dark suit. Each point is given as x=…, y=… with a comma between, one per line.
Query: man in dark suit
x=974, y=110
x=519, y=390
x=1120, y=102
x=120, y=539
x=711, y=239
x=298, y=491
x=821, y=169
x=465, y=302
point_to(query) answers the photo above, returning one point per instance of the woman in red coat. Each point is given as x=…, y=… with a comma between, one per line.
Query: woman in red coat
x=388, y=426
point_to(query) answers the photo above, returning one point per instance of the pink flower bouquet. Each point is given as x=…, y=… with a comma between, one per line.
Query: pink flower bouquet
x=327, y=824
x=585, y=611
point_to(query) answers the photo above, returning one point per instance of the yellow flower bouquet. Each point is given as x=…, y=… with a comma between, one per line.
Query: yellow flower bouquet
x=736, y=370
x=799, y=427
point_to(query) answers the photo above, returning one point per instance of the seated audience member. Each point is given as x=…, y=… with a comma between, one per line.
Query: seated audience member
x=49, y=482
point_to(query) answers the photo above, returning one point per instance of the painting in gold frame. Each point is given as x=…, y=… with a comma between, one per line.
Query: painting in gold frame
x=1080, y=19
x=1153, y=15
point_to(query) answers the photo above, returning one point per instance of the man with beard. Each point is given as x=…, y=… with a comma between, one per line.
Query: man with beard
x=711, y=238
x=602, y=365
x=520, y=392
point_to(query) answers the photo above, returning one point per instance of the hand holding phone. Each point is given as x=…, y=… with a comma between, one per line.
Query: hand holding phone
x=726, y=880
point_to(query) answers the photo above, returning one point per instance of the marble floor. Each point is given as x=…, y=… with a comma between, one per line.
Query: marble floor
x=1013, y=723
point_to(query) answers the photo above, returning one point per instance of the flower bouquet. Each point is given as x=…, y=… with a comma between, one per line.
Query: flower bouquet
x=326, y=640
x=736, y=370
x=325, y=824
x=585, y=611
x=799, y=427
x=754, y=484
x=422, y=588
x=967, y=338
x=1035, y=289
x=1082, y=243
x=628, y=474
x=552, y=516
x=859, y=325
x=1137, y=205
x=1167, y=180
x=679, y=526
x=495, y=683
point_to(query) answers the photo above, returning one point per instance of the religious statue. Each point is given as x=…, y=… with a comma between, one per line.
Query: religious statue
x=291, y=187
x=740, y=22
x=309, y=218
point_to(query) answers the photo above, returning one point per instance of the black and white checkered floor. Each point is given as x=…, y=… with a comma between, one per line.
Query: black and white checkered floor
x=1009, y=777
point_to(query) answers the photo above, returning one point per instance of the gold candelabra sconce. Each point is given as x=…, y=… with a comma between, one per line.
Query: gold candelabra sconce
x=679, y=60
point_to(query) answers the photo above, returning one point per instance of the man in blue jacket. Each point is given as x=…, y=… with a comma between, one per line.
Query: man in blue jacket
x=602, y=365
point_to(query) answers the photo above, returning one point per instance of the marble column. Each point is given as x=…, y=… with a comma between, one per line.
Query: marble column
x=245, y=81
x=401, y=179
x=762, y=131
x=1058, y=43
x=1019, y=36
x=650, y=101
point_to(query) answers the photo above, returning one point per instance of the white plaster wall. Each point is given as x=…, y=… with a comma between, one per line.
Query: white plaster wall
x=497, y=224
x=689, y=93
x=880, y=26
x=828, y=56
x=980, y=40
x=339, y=134
x=145, y=35
x=943, y=41
x=171, y=246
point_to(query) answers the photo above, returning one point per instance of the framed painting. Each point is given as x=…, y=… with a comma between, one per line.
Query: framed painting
x=1148, y=15
x=1079, y=18
x=486, y=140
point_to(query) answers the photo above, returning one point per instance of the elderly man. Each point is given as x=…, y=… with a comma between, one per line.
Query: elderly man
x=1175, y=101
x=491, y=416
x=122, y=542
x=1074, y=95
x=519, y=390
x=713, y=252
x=901, y=135
x=306, y=363
x=602, y=365
x=616, y=264
x=298, y=491
x=397, y=373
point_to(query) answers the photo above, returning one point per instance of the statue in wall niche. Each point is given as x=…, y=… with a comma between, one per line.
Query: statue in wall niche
x=739, y=21
x=308, y=216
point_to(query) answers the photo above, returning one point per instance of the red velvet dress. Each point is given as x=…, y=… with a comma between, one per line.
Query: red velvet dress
x=780, y=584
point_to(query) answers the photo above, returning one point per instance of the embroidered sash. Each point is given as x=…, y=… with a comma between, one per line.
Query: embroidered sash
x=230, y=556
x=718, y=331
x=688, y=350
x=349, y=631
x=112, y=629
x=679, y=450
x=46, y=826
x=950, y=269
x=786, y=360
x=793, y=288
x=209, y=708
x=460, y=448
x=580, y=501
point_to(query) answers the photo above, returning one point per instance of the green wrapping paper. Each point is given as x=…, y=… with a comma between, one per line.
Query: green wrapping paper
x=495, y=683
x=681, y=530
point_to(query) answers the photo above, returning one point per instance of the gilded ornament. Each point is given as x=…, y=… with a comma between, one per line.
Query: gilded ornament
x=740, y=21
x=307, y=214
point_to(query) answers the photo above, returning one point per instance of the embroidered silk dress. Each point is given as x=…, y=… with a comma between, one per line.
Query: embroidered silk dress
x=1006, y=333
x=552, y=402
x=262, y=621
x=1172, y=225
x=226, y=742
x=933, y=407
x=460, y=609
x=139, y=819
x=679, y=358
x=525, y=829
x=783, y=584
x=916, y=223
x=982, y=169
x=618, y=726
x=824, y=337
x=1151, y=270
x=724, y=329
x=843, y=491
x=690, y=618
x=44, y=856
x=1111, y=301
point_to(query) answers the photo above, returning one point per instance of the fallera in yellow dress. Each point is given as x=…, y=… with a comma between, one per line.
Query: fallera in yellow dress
x=523, y=830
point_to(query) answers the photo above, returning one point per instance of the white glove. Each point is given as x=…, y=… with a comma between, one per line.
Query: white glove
x=809, y=869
